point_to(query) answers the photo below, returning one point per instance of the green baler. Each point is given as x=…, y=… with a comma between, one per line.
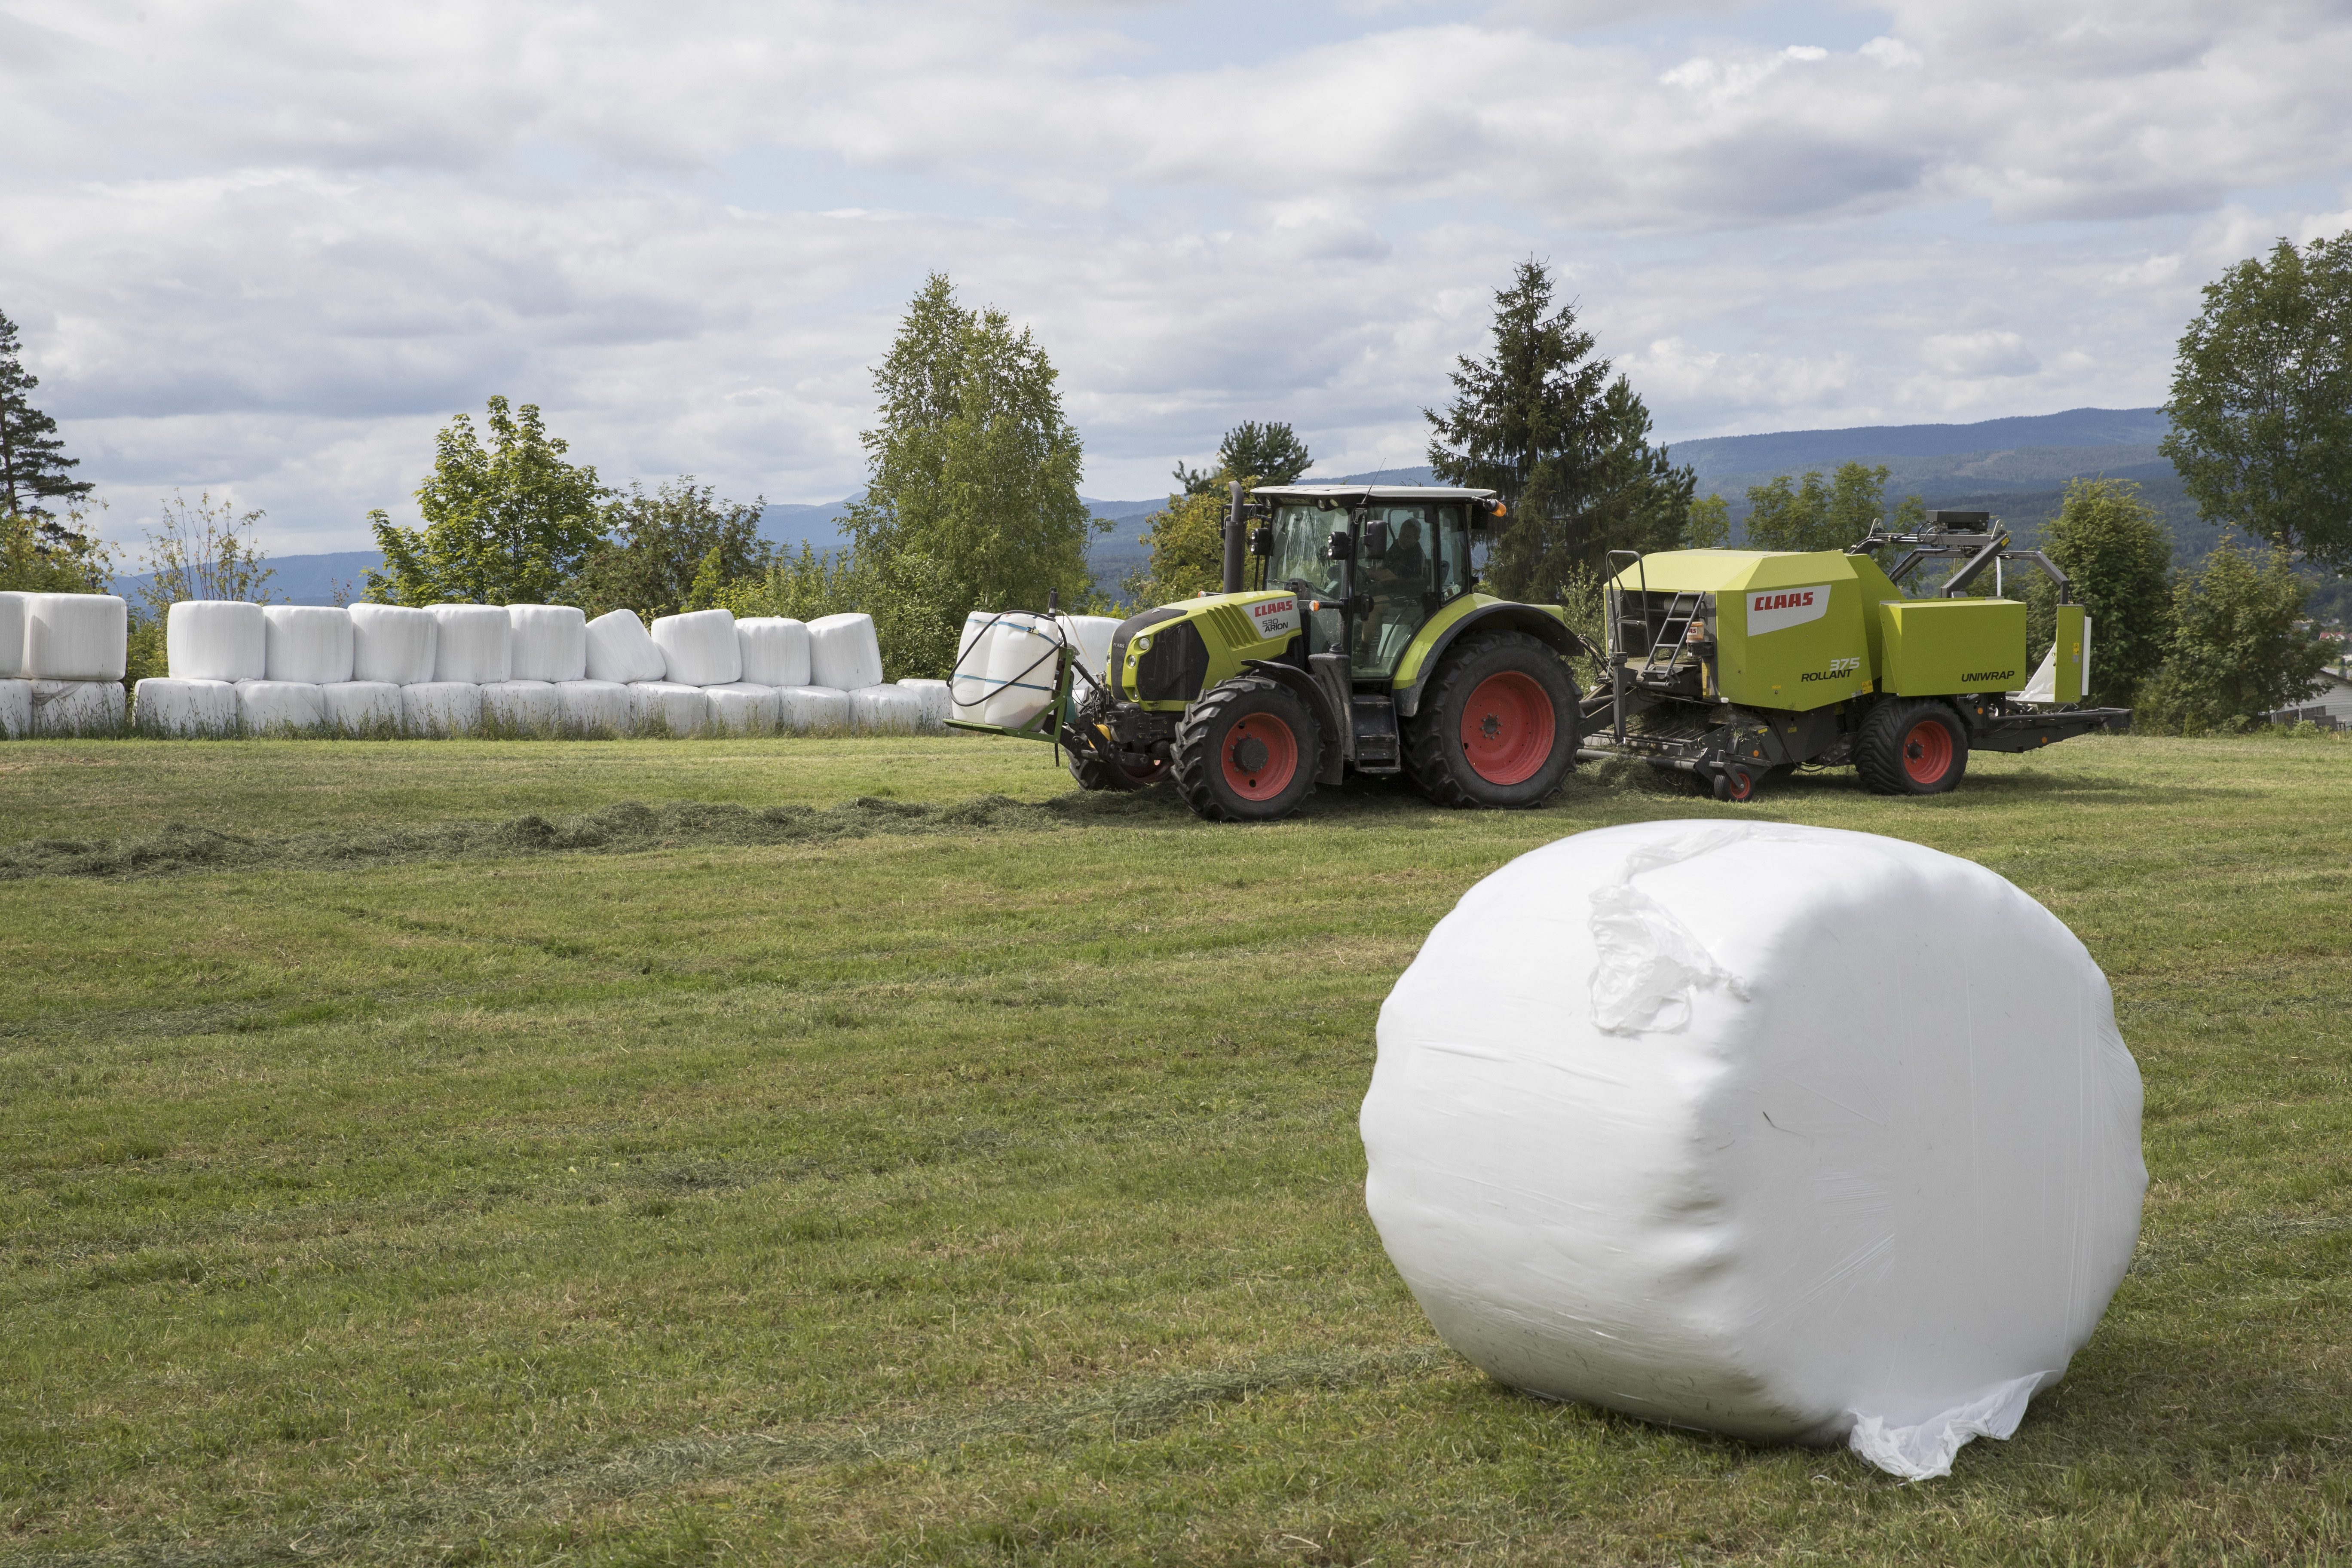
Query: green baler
x=1735, y=665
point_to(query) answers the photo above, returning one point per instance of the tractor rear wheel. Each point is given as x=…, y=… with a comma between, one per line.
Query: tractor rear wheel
x=1911, y=748
x=1247, y=751
x=1498, y=727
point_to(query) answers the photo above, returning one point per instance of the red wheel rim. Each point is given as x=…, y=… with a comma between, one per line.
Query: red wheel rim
x=1261, y=756
x=1743, y=785
x=1928, y=752
x=1507, y=728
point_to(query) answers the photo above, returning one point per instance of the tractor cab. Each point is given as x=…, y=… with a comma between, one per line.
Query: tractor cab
x=1374, y=563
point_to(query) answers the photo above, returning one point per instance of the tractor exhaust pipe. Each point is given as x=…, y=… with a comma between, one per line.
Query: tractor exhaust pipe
x=1234, y=525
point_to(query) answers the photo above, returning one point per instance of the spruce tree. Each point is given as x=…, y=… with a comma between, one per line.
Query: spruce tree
x=33, y=463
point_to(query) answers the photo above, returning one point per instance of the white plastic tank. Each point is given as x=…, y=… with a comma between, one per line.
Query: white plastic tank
x=1023, y=668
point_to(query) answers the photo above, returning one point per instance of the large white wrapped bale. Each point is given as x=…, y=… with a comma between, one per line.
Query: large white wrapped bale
x=699, y=648
x=76, y=636
x=1090, y=634
x=441, y=707
x=813, y=707
x=177, y=709
x=311, y=644
x=671, y=706
x=886, y=710
x=592, y=707
x=393, y=643
x=939, y=702
x=531, y=707
x=546, y=642
x=474, y=643
x=775, y=650
x=361, y=707
x=967, y=687
x=844, y=652
x=217, y=640
x=746, y=707
x=1793, y=1133
x=1023, y=667
x=12, y=635
x=15, y=710
x=279, y=707
x=76, y=707
x=620, y=650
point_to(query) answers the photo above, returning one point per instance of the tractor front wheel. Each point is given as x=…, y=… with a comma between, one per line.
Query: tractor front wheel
x=1911, y=748
x=1247, y=751
x=1498, y=727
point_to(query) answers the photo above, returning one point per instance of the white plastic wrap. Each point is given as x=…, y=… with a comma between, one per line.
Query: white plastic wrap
x=308, y=643
x=939, y=702
x=844, y=652
x=76, y=707
x=279, y=707
x=546, y=642
x=698, y=647
x=746, y=707
x=12, y=637
x=474, y=643
x=393, y=643
x=620, y=650
x=967, y=687
x=361, y=707
x=1794, y=1134
x=533, y=707
x=886, y=710
x=75, y=637
x=594, y=706
x=15, y=709
x=775, y=650
x=817, y=707
x=672, y=705
x=441, y=707
x=180, y=709
x=215, y=640
x=1090, y=634
x=1024, y=664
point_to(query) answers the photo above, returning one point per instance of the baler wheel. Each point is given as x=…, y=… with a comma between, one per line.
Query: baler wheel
x=1247, y=751
x=1911, y=748
x=1498, y=726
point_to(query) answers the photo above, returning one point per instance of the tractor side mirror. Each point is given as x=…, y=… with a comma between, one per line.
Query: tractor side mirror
x=1376, y=542
x=1484, y=515
x=1261, y=541
x=1339, y=547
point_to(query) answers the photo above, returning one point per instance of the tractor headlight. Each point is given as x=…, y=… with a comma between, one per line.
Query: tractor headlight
x=1140, y=644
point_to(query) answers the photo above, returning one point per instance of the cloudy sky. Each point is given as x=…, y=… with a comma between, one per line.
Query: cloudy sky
x=266, y=248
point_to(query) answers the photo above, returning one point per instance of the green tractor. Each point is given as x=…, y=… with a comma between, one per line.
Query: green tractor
x=1737, y=666
x=1363, y=646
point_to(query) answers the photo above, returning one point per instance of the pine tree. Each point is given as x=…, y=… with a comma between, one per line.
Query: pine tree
x=33, y=463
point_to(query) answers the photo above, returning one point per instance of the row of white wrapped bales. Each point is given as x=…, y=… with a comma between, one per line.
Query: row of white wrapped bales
x=61, y=663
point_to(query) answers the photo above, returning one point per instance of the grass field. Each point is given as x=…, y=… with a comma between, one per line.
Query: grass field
x=412, y=1155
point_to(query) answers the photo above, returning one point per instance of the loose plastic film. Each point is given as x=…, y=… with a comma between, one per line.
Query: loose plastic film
x=1796, y=1134
x=75, y=637
x=746, y=707
x=361, y=707
x=525, y=706
x=215, y=640
x=886, y=710
x=699, y=648
x=592, y=707
x=807, y=707
x=670, y=705
x=620, y=650
x=75, y=706
x=440, y=708
x=12, y=635
x=308, y=643
x=391, y=643
x=473, y=644
x=183, y=710
x=546, y=642
x=278, y=708
x=844, y=652
x=775, y=650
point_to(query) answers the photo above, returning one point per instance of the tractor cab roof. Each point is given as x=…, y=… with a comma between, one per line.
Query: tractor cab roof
x=1354, y=495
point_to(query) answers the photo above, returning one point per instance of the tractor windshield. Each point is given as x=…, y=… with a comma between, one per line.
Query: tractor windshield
x=1427, y=562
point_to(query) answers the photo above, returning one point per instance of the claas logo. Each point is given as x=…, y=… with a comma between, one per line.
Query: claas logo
x=1796, y=599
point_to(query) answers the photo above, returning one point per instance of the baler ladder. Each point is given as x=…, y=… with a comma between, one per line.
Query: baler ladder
x=1673, y=632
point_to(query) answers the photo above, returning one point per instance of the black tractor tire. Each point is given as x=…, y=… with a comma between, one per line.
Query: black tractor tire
x=1911, y=748
x=1248, y=750
x=1498, y=726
